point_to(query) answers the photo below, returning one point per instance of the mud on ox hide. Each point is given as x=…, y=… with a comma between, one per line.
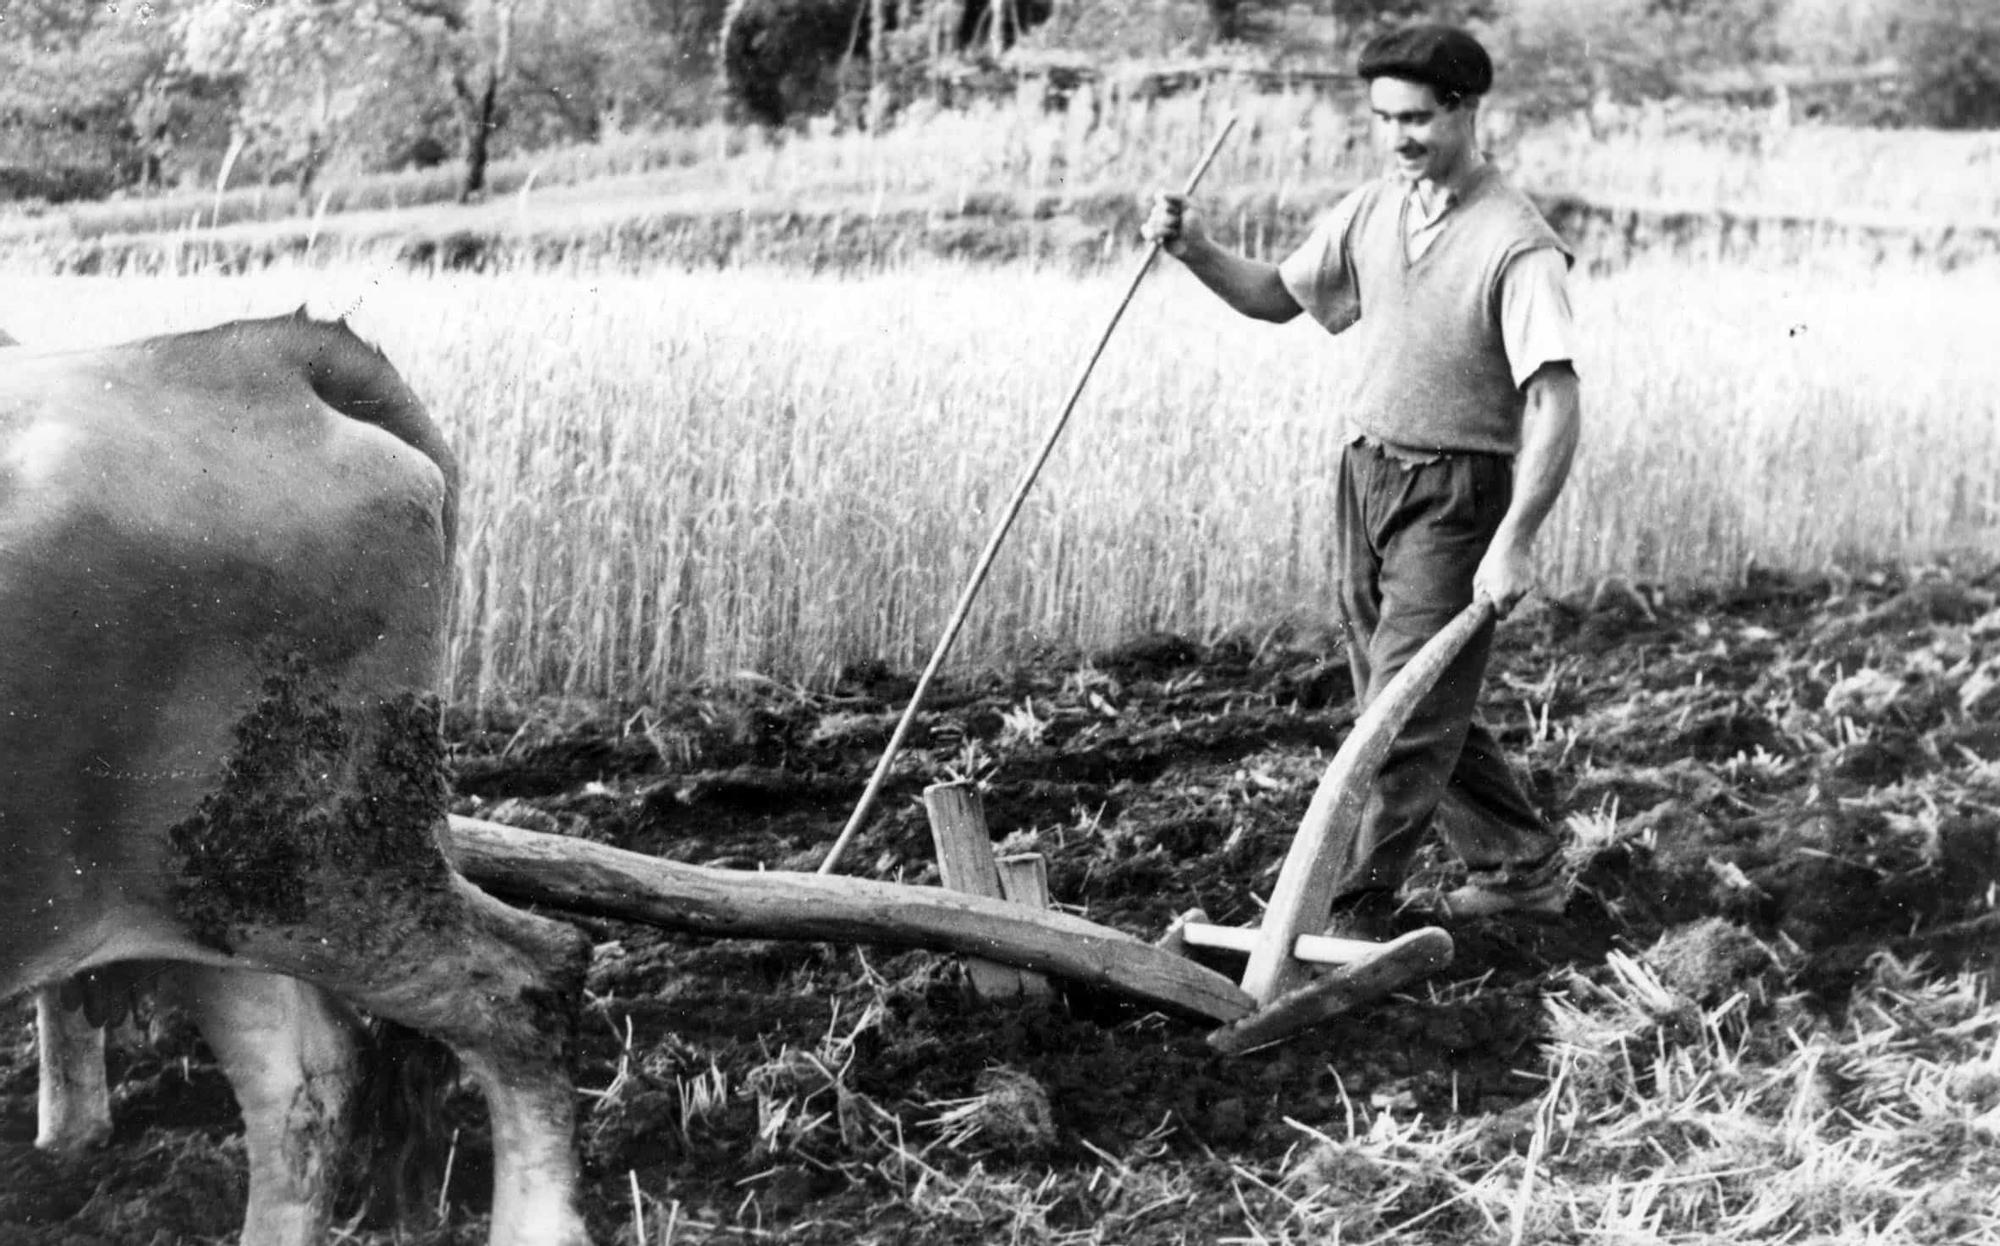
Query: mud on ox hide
x=224, y=561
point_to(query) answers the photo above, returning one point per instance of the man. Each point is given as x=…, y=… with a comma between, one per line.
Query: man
x=1460, y=429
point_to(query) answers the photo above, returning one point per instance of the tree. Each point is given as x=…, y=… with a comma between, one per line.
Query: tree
x=86, y=97
x=573, y=64
x=663, y=66
x=586, y=68
x=317, y=74
x=304, y=70
x=476, y=56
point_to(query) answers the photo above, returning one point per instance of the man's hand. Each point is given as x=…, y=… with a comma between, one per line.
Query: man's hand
x=1253, y=287
x=1172, y=225
x=1549, y=430
x=1506, y=574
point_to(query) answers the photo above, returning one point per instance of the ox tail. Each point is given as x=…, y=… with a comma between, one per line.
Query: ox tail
x=346, y=373
x=403, y=1131
x=357, y=380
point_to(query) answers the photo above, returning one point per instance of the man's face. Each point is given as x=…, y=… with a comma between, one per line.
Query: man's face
x=1423, y=137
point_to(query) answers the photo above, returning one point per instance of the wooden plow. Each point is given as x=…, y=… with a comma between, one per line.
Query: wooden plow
x=1296, y=976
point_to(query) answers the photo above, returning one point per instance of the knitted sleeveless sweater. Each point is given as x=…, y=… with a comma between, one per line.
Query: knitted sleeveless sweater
x=1433, y=371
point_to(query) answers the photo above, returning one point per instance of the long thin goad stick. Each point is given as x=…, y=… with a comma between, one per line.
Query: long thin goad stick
x=861, y=810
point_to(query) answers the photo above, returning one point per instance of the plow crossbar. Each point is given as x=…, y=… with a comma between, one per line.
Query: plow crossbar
x=1311, y=949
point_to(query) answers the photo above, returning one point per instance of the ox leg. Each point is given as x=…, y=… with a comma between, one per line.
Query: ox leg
x=519, y=1052
x=289, y=1051
x=73, y=1102
x=502, y=989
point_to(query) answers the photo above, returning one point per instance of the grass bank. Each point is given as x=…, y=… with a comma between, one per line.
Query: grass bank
x=1025, y=181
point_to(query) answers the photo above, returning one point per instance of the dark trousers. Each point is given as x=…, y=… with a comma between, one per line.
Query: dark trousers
x=1410, y=538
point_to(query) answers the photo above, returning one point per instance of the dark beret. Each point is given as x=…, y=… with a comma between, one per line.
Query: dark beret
x=1445, y=57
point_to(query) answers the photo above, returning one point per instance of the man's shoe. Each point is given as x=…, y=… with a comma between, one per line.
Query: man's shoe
x=1548, y=898
x=1377, y=916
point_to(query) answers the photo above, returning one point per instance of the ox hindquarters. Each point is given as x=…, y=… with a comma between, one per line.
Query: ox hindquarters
x=224, y=563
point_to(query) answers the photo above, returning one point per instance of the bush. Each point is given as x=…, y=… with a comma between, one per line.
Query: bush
x=1951, y=51
x=781, y=58
x=778, y=56
x=50, y=183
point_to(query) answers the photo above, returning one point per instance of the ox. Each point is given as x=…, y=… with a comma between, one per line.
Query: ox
x=224, y=563
x=73, y=1104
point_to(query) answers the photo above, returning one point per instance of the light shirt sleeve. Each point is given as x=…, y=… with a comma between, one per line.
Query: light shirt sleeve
x=1318, y=275
x=1535, y=321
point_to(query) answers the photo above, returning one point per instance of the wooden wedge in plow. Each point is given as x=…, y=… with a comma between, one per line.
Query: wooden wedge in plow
x=595, y=880
x=1278, y=976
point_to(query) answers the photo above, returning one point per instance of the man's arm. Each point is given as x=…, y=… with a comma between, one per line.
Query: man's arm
x=1550, y=429
x=1252, y=287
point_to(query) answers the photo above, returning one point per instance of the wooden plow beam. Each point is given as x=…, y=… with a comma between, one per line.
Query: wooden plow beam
x=595, y=880
x=1279, y=976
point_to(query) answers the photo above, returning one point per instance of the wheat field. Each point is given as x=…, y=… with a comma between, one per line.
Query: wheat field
x=693, y=474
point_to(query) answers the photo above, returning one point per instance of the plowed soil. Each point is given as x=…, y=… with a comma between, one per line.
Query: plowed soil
x=1816, y=760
